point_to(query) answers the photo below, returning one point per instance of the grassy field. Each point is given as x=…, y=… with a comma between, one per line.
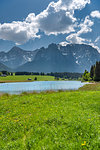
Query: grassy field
x=50, y=121
x=91, y=87
x=24, y=78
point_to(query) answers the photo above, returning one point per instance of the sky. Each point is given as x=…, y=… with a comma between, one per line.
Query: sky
x=31, y=24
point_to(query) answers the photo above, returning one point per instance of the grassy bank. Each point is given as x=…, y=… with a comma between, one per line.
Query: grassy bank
x=91, y=87
x=24, y=78
x=50, y=121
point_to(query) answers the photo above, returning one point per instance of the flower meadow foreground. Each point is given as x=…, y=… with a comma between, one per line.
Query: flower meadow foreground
x=50, y=121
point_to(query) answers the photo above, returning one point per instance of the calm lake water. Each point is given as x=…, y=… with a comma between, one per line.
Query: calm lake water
x=19, y=87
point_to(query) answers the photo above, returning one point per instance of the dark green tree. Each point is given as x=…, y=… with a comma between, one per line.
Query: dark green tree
x=6, y=73
x=92, y=71
x=35, y=78
x=11, y=74
x=97, y=72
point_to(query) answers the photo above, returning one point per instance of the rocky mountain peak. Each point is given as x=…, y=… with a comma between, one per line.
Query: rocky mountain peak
x=72, y=57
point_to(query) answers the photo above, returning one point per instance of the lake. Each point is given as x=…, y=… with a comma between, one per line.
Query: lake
x=38, y=86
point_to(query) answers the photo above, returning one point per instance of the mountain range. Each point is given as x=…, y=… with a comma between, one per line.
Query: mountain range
x=4, y=68
x=54, y=58
x=16, y=57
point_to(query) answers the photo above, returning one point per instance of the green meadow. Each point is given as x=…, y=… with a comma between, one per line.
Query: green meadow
x=24, y=78
x=50, y=121
x=95, y=86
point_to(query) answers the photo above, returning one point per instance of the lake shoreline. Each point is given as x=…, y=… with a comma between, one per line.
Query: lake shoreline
x=83, y=88
x=34, y=81
x=40, y=86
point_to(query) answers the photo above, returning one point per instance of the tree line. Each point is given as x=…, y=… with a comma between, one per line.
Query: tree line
x=57, y=75
x=94, y=73
x=66, y=75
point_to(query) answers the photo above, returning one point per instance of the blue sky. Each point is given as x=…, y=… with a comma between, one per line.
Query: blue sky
x=32, y=24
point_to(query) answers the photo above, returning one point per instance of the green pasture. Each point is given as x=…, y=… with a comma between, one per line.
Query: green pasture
x=50, y=121
x=24, y=78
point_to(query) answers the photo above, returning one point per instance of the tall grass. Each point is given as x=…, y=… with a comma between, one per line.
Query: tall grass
x=50, y=121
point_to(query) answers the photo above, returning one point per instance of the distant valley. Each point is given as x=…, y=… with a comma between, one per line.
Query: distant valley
x=55, y=58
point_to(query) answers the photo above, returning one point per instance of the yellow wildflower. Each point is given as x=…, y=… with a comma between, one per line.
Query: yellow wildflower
x=83, y=144
x=88, y=119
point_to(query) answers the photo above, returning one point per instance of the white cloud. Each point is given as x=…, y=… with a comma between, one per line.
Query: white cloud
x=96, y=43
x=19, y=32
x=95, y=46
x=63, y=43
x=73, y=4
x=97, y=39
x=76, y=39
x=56, y=23
x=95, y=14
x=57, y=18
x=85, y=27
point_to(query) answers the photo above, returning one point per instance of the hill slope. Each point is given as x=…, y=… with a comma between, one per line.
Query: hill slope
x=4, y=68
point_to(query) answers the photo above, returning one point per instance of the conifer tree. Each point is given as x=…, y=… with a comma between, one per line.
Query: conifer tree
x=92, y=71
x=97, y=72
